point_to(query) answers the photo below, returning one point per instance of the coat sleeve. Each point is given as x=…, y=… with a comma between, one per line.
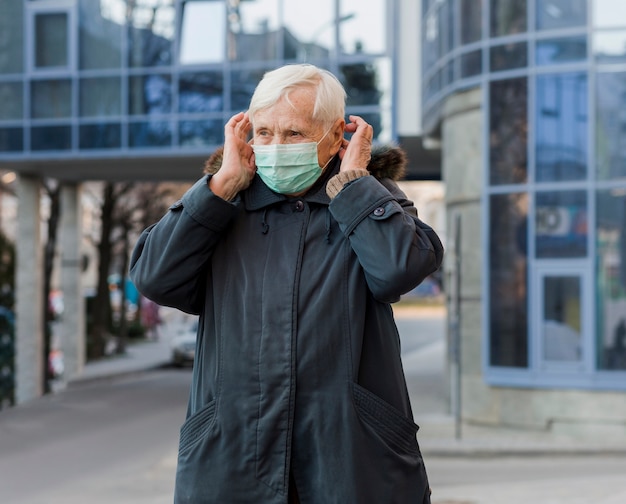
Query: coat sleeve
x=394, y=247
x=170, y=261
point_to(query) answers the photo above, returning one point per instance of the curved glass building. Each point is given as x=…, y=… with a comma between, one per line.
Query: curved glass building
x=528, y=101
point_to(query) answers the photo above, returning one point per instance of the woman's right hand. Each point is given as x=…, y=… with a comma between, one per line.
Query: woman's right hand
x=238, y=167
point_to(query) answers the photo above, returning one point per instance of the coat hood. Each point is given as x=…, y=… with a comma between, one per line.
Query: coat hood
x=388, y=161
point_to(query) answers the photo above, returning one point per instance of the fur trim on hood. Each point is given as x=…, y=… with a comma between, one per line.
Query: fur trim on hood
x=388, y=161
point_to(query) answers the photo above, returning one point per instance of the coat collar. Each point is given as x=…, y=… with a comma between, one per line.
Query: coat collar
x=387, y=161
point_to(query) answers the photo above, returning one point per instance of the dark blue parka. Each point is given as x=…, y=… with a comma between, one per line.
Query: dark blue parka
x=298, y=369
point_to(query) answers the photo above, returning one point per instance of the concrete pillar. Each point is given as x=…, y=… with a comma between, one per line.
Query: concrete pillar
x=29, y=292
x=72, y=324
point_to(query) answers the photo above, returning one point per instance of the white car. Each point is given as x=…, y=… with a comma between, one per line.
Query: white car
x=184, y=346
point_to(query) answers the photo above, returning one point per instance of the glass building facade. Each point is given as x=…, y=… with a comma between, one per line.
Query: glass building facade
x=552, y=76
x=92, y=78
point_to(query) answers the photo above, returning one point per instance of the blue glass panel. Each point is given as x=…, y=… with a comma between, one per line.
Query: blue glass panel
x=205, y=133
x=508, y=17
x=508, y=56
x=553, y=14
x=611, y=278
x=11, y=100
x=561, y=224
x=150, y=134
x=12, y=39
x=471, y=19
x=471, y=64
x=561, y=126
x=149, y=94
x=610, y=145
x=201, y=92
x=100, y=136
x=43, y=138
x=11, y=140
x=561, y=50
x=100, y=97
x=51, y=99
x=150, y=32
x=508, y=288
x=51, y=40
x=100, y=34
x=243, y=84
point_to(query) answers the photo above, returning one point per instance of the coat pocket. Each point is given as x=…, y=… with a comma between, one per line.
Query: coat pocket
x=396, y=430
x=197, y=426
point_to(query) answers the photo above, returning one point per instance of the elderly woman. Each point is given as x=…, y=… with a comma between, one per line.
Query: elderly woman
x=291, y=249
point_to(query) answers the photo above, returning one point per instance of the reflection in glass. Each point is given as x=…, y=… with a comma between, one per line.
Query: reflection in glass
x=561, y=319
x=561, y=125
x=471, y=63
x=611, y=278
x=609, y=13
x=100, y=33
x=50, y=99
x=554, y=14
x=446, y=29
x=52, y=138
x=561, y=50
x=11, y=140
x=471, y=20
x=11, y=100
x=150, y=32
x=100, y=97
x=508, y=130
x=51, y=49
x=200, y=92
x=201, y=133
x=508, y=298
x=149, y=94
x=100, y=136
x=508, y=17
x=610, y=145
x=243, y=84
x=253, y=31
x=430, y=43
x=314, y=26
x=150, y=134
x=610, y=46
x=12, y=39
x=508, y=56
x=362, y=26
x=561, y=224
x=202, y=32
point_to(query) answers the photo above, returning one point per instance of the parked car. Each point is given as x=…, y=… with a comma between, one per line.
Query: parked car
x=184, y=346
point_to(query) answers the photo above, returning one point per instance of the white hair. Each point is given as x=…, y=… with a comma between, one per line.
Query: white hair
x=330, y=98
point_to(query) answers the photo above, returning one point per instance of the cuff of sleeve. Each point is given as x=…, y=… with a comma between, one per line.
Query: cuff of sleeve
x=338, y=182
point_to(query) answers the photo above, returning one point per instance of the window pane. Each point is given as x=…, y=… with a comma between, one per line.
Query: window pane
x=11, y=140
x=51, y=99
x=471, y=63
x=100, y=97
x=150, y=134
x=609, y=13
x=610, y=46
x=561, y=224
x=150, y=32
x=100, y=33
x=51, y=40
x=12, y=39
x=610, y=145
x=243, y=84
x=362, y=26
x=561, y=319
x=201, y=133
x=561, y=115
x=509, y=56
x=50, y=138
x=100, y=136
x=508, y=131
x=201, y=92
x=254, y=31
x=508, y=17
x=471, y=20
x=202, y=32
x=561, y=50
x=508, y=310
x=553, y=14
x=611, y=278
x=313, y=24
x=12, y=100
x=149, y=94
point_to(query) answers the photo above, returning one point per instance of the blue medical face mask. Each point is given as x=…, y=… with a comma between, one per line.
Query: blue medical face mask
x=288, y=168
